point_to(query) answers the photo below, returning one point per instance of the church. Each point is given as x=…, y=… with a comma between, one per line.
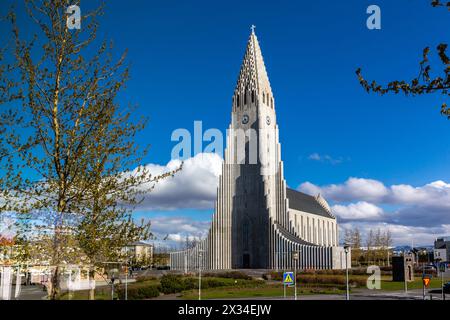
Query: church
x=258, y=222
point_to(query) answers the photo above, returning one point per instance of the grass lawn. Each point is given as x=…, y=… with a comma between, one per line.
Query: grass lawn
x=389, y=285
x=103, y=292
x=231, y=288
x=263, y=291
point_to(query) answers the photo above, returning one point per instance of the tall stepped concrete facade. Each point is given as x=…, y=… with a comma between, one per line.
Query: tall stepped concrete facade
x=258, y=222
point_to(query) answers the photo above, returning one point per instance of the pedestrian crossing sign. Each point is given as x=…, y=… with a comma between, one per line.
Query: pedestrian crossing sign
x=288, y=278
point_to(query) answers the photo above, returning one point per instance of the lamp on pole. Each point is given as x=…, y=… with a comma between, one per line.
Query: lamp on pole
x=441, y=269
x=185, y=263
x=405, y=272
x=442, y=280
x=126, y=272
x=346, y=249
x=200, y=255
x=295, y=257
x=113, y=279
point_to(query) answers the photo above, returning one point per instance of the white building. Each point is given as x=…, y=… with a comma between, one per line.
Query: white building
x=258, y=222
x=441, y=250
x=140, y=252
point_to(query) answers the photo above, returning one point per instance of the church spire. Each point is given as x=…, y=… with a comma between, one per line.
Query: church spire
x=253, y=74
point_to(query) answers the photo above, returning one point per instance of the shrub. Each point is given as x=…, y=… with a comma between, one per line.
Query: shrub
x=149, y=291
x=273, y=275
x=190, y=283
x=214, y=283
x=139, y=292
x=230, y=275
x=171, y=283
x=145, y=278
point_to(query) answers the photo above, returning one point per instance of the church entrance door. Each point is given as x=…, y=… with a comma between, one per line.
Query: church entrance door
x=246, y=261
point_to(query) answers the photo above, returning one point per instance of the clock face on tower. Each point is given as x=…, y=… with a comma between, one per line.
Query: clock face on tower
x=268, y=120
x=245, y=119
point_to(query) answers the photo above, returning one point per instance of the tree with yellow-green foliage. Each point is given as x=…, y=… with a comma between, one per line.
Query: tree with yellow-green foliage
x=68, y=145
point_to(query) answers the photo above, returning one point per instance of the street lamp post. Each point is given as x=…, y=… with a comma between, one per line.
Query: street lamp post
x=346, y=249
x=112, y=287
x=405, y=271
x=185, y=263
x=295, y=257
x=200, y=275
x=126, y=263
x=441, y=269
x=442, y=286
x=388, y=263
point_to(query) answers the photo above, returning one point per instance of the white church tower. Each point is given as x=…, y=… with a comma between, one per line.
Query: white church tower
x=258, y=222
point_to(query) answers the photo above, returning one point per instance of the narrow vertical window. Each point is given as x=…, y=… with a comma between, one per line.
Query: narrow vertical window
x=264, y=97
x=245, y=232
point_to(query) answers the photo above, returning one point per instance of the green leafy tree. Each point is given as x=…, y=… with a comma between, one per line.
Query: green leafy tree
x=370, y=243
x=68, y=145
x=353, y=238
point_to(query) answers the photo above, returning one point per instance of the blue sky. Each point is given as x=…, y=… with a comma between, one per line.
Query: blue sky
x=185, y=58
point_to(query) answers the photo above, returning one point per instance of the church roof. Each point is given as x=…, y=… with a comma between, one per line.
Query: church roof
x=304, y=202
x=253, y=74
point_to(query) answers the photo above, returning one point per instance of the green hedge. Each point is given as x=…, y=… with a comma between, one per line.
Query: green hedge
x=145, y=278
x=320, y=278
x=230, y=275
x=278, y=275
x=171, y=283
x=139, y=292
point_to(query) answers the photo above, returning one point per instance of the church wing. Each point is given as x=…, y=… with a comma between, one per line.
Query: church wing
x=303, y=202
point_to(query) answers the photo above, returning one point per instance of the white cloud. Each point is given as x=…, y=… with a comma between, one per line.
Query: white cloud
x=358, y=211
x=433, y=194
x=194, y=187
x=359, y=189
x=412, y=212
x=314, y=156
x=353, y=189
x=325, y=158
x=172, y=231
x=179, y=227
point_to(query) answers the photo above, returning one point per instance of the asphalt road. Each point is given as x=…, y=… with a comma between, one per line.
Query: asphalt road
x=36, y=292
x=32, y=292
x=365, y=295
